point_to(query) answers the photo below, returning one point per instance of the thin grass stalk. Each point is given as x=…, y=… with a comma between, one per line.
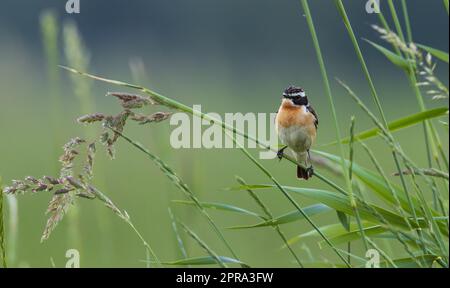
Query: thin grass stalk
x=13, y=229
x=49, y=33
x=360, y=56
x=125, y=217
x=413, y=80
x=435, y=233
x=394, y=195
x=289, y=197
x=434, y=228
x=446, y=5
x=431, y=127
x=388, y=259
x=183, y=108
x=427, y=125
x=326, y=84
x=202, y=244
x=180, y=185
x=389, y=136
x=367, y=75
x=395, y=148
x=385, y=24
x=394, y=15
x=77, y=56
x=269, y=217
x=178, y=238
x=407, y=22
x=352, y=198
x=2, y=229
x=374, y=93
x=382, y=128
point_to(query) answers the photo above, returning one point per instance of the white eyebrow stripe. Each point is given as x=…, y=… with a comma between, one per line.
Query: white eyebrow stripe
x=301, y=94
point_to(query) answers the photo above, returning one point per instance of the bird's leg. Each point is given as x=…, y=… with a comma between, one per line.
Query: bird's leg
x=310, y=169
x=280, y=152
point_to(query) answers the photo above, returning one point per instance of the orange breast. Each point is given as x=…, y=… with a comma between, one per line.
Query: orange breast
x=289, y=115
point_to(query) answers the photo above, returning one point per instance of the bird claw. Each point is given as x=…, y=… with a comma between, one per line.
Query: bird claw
x=280, y=153
x=310, y=171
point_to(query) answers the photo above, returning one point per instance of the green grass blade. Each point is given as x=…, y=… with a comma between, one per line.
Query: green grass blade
x=376, y=183
x=397, y=60
x=289, y=217
x=2, y=229
x=327, y=88
x=269, y=215
x=180, y=243
x=220, y=206
x=332, y=231
x=205, y=260
x=399, y=124
x=441, y=55
x=341, y=203
x=122, y=214
x=355, y=234
x=202, y=244
x=178, y=182
x=288, y=196
x=410, y=262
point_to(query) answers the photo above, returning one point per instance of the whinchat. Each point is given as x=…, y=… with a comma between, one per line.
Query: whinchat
x=296, y=124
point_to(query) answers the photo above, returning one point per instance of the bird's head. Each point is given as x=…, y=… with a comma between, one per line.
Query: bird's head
x=296, y=95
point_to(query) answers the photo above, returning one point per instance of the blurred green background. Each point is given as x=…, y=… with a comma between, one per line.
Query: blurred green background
x=228, y=56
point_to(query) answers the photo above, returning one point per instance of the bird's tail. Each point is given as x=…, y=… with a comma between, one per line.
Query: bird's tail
x=302, y=173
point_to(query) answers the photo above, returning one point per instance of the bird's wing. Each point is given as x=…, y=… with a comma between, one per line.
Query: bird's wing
x=316, y=121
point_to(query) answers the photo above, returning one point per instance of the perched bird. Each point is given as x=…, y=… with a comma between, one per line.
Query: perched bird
x=296, y=124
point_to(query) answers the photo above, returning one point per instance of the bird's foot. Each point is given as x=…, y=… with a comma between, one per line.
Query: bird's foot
x=310, y=171
x=280, y=153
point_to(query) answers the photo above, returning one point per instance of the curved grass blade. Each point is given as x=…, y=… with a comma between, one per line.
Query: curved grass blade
x=289, y=217
x=220, y=206
x=287, y=195
x=399, y=124
x=323, y=265
x=377, y=184
x=202, y=244
x=205, y=260
x=269, y=215
x=2, y=229
x=332, y=231
x=391, y=56
x=441, y=55
x=341, y=203
x=428, y=260
x=355, y=234
x=179, y=183
x=180, y=242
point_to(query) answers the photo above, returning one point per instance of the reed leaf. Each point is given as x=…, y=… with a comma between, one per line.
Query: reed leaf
x=439, y=54
x=376, y=183
x=289, y=217
x=205, y=260
x=220, y=206
x=2, y=229
x=399, y=124
x=397, y=60
x=202, y=244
